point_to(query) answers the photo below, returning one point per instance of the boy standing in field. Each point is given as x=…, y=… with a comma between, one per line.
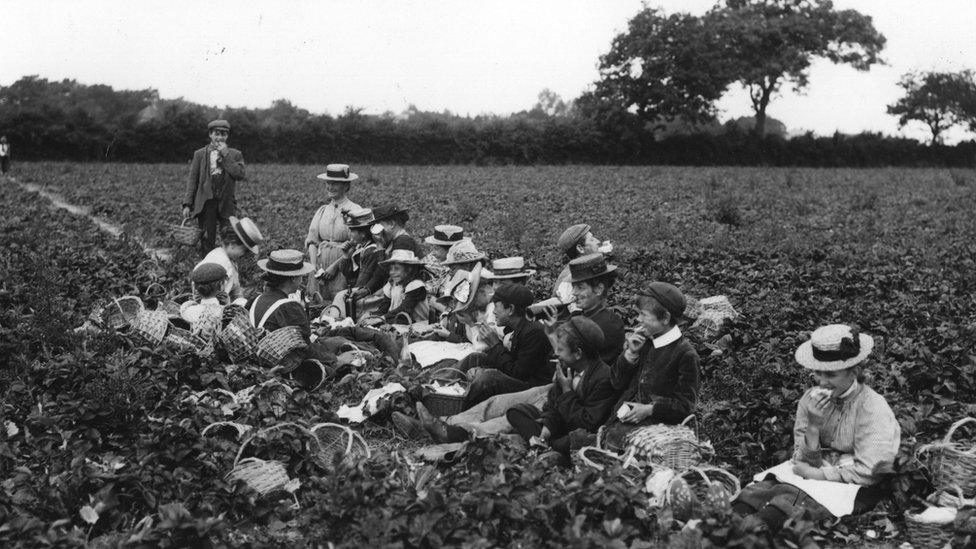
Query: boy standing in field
x=211, y=185
x=4, y=155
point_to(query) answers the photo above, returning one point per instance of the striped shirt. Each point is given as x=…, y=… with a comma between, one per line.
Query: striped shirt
x=858, y=440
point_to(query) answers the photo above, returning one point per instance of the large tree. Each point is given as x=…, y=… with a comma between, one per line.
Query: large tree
x=774, y=42
x=663, y=67
x=940, y=100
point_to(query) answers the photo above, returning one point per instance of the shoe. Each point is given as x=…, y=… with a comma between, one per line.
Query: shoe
x=434, y=425
x=409, y=427
x=553, y=459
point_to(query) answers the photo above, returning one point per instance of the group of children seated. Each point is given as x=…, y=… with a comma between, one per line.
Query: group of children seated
x=553, y=370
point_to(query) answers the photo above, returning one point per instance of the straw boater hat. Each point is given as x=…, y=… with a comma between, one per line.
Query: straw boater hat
x=462, y=252
x=247, y=232
x=338, y=172
x=360, y=219
x=834, y=347
x=508, y=267
x=286, y=263
x=405, y=257
x=589, y=266
x=445, y=235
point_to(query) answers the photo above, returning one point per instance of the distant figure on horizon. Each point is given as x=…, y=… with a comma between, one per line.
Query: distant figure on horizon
x=211, y=185
x=4, y=155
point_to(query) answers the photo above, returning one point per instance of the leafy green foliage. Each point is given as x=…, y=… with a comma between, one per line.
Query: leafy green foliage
x=108, y=450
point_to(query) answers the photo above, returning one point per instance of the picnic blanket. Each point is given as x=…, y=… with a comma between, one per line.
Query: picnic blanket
x=428, y=353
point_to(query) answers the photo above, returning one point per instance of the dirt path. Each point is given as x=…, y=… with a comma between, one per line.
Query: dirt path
x=58, y=201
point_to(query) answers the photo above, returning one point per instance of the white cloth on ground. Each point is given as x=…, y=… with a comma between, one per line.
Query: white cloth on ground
x=370, y=403
x=836, y=497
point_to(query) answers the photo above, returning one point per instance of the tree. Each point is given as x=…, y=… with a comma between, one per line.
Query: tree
x=773, y=43
x=940, y=100
x=661, y=68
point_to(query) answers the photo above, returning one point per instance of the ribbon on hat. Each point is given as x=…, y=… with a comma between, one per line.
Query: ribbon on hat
x=849, y=348
x=279, y=266
x=336, y=171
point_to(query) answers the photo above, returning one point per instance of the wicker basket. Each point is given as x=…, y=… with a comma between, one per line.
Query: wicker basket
x=283, y=347
x=338, y=443
x=264, y=477
x=673, y=446
x=700, y=478
x=310, y=374
x=951, y=464
x=440, y=404
x=239, y=429
x=595, y=458
x=274, y=392
x=122, y=312
x=927, y=535
x=184, y=234
x=186, y=341
x=151, y=326
x=240, y=339
x=207, y=325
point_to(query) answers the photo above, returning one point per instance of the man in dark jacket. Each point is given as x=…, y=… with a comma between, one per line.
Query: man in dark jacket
x=518, y=363
x=212, y=183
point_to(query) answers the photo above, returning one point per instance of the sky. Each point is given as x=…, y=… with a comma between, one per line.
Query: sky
x=463, y=56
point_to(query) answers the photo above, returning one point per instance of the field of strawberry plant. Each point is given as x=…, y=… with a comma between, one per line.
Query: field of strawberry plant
x=101, y=440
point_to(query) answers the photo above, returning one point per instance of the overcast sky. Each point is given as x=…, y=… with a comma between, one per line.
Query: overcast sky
x=467, y=57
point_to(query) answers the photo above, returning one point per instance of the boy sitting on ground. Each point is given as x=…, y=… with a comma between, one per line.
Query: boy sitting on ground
x=522, y=362
x=581, y=400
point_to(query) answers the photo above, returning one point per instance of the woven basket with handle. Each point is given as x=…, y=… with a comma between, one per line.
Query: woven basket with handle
x=441, y=404
x=673, y=446
x=184, y=234
x=338, y=443
x=150, y=326
x=240, y=339
x=951, y=463
x=263, y=476
x=122, y=312
x=283, y=347
x=930, y=535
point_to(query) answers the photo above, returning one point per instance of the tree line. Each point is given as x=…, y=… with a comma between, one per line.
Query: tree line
x=654, y=103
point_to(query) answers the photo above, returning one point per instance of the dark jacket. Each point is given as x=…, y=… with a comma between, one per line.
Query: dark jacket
x=362, y=268
x=199, y=187
x=404, y=242
x=288, y=314
x=528, y=358
x=585, y=407
x=613, y=332
x=669, y=377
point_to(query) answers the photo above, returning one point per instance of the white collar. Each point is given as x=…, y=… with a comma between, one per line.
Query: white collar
x=666, y=338
x=210, y=301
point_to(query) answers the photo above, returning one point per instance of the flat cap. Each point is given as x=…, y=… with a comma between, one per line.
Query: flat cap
x=219, y=124
x=590, y=335
x=207, y=272
x=514, y=294
x=571, y=236
x=668, y=295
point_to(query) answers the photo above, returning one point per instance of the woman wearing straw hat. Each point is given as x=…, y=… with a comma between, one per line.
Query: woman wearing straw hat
x=278, y=307
x=439, y=243
x=238, y=239
x=405, y=293
x=328, y=236
x=845, y=438
x=361, y=268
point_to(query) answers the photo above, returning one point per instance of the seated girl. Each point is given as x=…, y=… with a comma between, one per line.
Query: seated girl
x=280, y=305
x=439, y=243
x=844, y=433
x=581, y=400
x=208, y=280
x=405, y=293
x=361, y=266
x=658, y=371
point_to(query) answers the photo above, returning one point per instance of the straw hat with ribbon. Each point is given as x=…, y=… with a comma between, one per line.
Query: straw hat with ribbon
x=834, y=347
x=247, y=232
x=508, y=267
x=446, y=235
x=463, y=252
x=338, y=172
x=588, y=267
x=404, y=257
x=286, y=263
